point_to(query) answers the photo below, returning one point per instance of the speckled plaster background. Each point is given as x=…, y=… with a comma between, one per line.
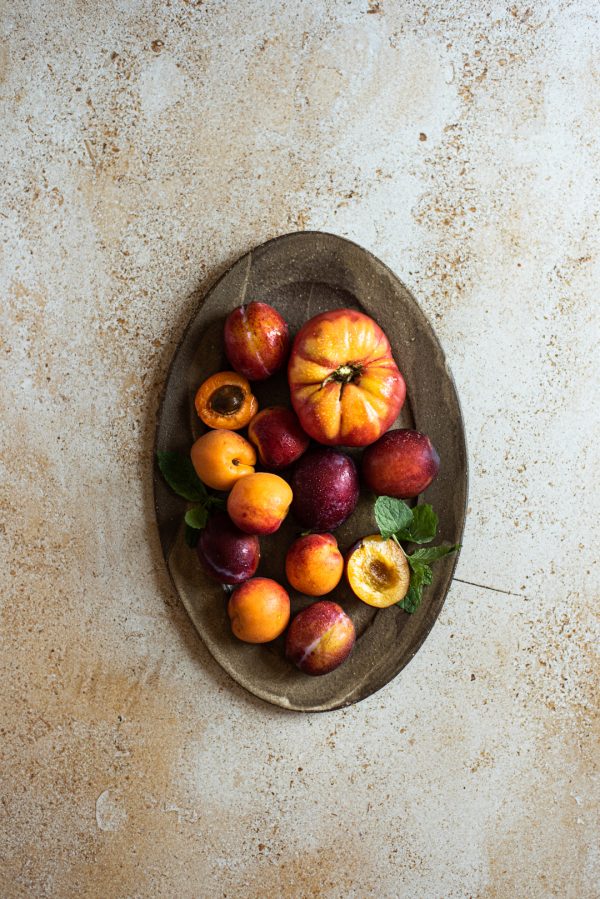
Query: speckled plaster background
x=144, y=147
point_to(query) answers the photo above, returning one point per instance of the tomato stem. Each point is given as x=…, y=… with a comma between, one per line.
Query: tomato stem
x=345, y=373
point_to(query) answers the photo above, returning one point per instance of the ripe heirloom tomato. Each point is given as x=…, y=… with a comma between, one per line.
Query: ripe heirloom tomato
x=345, y=386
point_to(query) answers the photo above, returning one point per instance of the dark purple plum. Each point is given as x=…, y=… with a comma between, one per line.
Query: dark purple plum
x=227, y=554
x=325, y=486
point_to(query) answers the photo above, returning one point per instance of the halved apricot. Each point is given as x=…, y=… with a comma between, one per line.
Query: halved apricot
x=225, y=400
x=378, y=572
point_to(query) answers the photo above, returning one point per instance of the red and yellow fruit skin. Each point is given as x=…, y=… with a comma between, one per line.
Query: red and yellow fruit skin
x=259, y=610
x=278, y=437
x=320, y=638
x=314, y=565
x=345, y=386
x=257, y=340
x=259, y=502
x=402, y=463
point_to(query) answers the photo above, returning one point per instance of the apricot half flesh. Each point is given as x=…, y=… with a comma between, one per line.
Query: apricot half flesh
x=378, y=571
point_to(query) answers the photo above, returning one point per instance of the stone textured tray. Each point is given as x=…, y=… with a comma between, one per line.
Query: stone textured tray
x=301, y=275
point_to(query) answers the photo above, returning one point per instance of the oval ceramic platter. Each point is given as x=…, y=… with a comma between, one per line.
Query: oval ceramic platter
x=302, y=275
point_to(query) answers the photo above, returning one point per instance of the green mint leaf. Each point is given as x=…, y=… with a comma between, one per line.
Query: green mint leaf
x=392, y=515
x=178, y=472
x=412, y=600
x=422, y=528
x=197, y=517
x=191, y=536
x=420, y=571
x=432, y=553
x=421, y=574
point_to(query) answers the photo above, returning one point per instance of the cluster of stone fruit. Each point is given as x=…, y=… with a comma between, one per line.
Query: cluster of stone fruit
x=346, y=390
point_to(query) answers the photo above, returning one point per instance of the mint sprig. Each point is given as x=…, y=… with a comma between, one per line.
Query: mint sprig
x=180, y=475
x=398, y=521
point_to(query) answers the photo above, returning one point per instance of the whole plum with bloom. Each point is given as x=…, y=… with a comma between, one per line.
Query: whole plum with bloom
x=320, y=638
x=257, y=340
x=314, y=565
x=222, y=457
x=326, y=488
x=259, y=610
x=227, y=554
x=259, y=502
x=345, y=385
x=402, y=463
x=377, y=571
x=278, y=437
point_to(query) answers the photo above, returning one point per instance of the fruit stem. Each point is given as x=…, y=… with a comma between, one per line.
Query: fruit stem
x=345, y=373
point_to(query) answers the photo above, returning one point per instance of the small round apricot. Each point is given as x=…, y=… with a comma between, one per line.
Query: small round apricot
x=314, y=565
x=378, y=571
x=258, y=503
x=225, y=400
x=259, y=610
x=221, y=458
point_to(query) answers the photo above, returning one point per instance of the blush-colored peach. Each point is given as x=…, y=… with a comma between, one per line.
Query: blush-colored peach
x=320, y=638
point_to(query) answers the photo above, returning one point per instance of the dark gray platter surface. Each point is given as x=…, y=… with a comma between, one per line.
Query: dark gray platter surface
x=301, y=275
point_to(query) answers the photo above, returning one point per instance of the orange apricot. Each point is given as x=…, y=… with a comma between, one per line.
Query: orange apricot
x=259, y=610
x=314, y=565
x=221, y=458
x=258, y=503
x=225, y=400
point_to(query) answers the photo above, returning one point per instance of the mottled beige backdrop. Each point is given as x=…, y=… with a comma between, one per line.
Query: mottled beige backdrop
x=144, y=146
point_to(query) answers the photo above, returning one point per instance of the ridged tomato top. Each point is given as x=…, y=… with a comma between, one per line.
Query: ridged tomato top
x=345, y=385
